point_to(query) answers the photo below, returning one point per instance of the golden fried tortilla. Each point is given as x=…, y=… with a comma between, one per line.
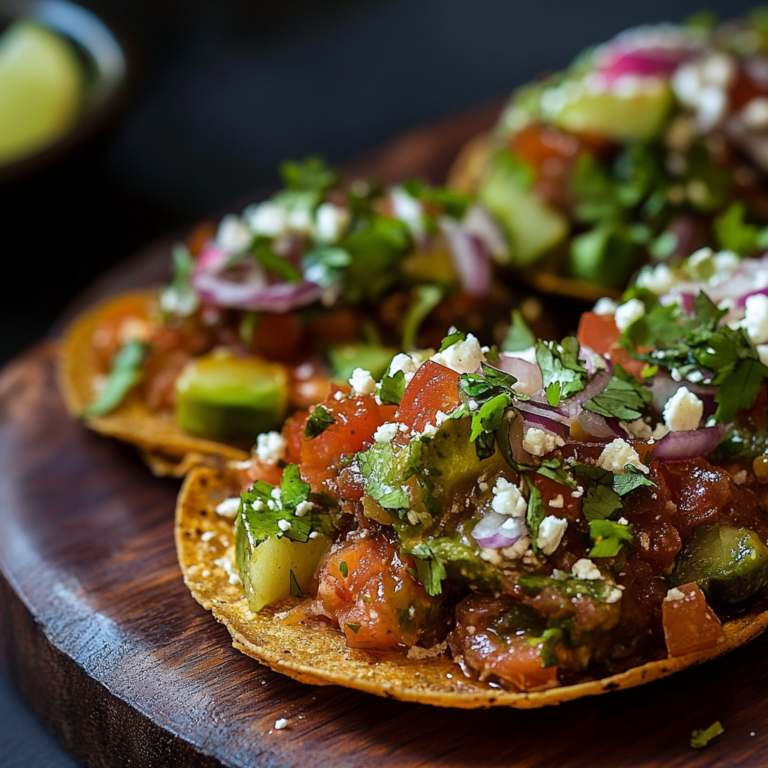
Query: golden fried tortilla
x=167, y=449
x=312, y=652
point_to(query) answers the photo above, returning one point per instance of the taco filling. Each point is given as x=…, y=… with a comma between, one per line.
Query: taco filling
x=298, y=290
x=567, y=512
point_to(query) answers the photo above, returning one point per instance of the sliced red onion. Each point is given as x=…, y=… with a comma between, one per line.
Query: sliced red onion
x=596, y=425
x=496, y=531
x=664, y=387
x=247, y=286
x=656, y=62
x=470, y=257
x=547, y=424
x=479, y=222
x=543, y=410
x=680, y=446
x=528, y=375
x=741, y=302
x=574, y=405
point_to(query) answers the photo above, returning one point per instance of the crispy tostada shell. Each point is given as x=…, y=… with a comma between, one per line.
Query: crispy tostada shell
x=317, y=654
x=167, y=449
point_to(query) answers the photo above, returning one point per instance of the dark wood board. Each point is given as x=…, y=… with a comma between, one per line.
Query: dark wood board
x=102, y=638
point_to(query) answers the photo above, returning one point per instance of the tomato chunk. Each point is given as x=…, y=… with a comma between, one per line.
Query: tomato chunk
x=600, y=334
x=690, y=625
x=365, y=588
x=433, y=388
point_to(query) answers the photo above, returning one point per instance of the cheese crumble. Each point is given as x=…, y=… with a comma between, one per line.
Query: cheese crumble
x=270, y=447
x=619, y=454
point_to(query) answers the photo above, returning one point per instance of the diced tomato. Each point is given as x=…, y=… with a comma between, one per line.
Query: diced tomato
x=310, y=387
x=690, y=625
x=433, y=388
x=600, y=334
x=355, y=421
x=510, y=657
x=278, y=336
x=365, y=587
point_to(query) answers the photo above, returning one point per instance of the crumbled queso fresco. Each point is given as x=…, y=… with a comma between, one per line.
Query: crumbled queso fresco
x=619, y=454
x=538, y=442
x=551, y=533
x=228, y=507
x=270, y=447
x=683, y=411
x=462, y=357
x=362, y=382
x=507, y=499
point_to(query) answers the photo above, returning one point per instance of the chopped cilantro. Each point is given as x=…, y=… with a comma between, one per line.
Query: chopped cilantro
x=608, y=537
x=318, y=421
x=425, y=299
x=549, y=641
x=343, y=569
x=263, y=507
x=701, y=738
x=311, y=175
x=124, y=374
x=620, y=399
x=519, y=336
x=600, y=502
x=554, y=470
x=454, y=337
x=553, y=394
x=275, y=263
x=561, y=364
x=429, y=568
x=535, y=513
x=295, y=589
x=392, y=388
x=324, y=264
x=735, y=234
x=626, y=482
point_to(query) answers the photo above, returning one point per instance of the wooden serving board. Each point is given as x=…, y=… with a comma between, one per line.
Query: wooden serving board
x=101, y=637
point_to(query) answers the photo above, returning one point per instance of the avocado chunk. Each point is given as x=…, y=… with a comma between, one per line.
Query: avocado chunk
x=533, y=226
x=345, y=358
x=727, y=563
x=636, y=115
x=224, y=396
x=276, y=567
x=605, y=255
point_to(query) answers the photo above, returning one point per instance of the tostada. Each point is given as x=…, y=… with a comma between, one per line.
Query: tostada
x=264, y=311
x=512, y=529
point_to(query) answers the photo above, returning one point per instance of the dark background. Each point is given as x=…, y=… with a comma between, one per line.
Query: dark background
x=225, y=89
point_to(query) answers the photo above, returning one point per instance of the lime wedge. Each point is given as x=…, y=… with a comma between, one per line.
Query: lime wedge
x=41, y=84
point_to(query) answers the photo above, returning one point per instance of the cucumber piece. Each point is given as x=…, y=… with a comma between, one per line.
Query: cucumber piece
x=533, y=226
x=276, y=567
x=344, y=359
x=41, y=85
x=635, y=115
x=727, y=563
x=220, y=395
x=603, y=256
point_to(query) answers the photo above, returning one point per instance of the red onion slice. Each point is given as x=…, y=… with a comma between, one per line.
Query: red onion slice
x=543, y=410
x=479, y=222
x=547, y=424
x=681, y=446
x=528, y=375
x=596, y=425
x=496, y=531
x=248, y=289
x=470, y=257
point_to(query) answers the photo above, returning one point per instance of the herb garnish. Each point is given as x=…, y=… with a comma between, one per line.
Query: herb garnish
x=624, y=398
x=429, y=568
x=392, y=388
x=318, y=421
x=608, y=537
x=701, y=738
x=125, y=373
x=535, y=513
x=562, y=372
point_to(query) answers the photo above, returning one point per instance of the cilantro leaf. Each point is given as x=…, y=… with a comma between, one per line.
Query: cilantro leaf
x=554, y=470
x=560, y=363
x=275, y=263
x=620, y=400
x=739, y=389
x=608, y=537
x=550, y=640
x=324, y=264
x=425, y=299
x=454, y=337
x=701, y=738
x=490, y=415
x=319, y=420
x=535, y=513
x=124, y=374
x=519, y=336
x=553, y=394
x=429, y=568
x=310, y=175
x=658, y=327
x=600, y=502
x=628, y=481
x=293, y=490
x=392, y=388
x=734, y=233
x=295, y=588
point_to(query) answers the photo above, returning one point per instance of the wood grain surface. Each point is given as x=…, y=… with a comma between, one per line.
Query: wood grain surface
x=102, y=638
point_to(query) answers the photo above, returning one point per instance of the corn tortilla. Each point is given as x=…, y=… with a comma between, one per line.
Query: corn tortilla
x=316, y=654
x=167, y=449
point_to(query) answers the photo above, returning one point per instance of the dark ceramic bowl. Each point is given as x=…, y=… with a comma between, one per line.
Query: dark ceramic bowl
x=105, y=62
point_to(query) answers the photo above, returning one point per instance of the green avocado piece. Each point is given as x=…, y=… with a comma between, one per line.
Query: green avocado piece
x=344, y=359
x=533, y=226
x=727, y=563
x=603, y=256
x=223, y=396
x=633, y=115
